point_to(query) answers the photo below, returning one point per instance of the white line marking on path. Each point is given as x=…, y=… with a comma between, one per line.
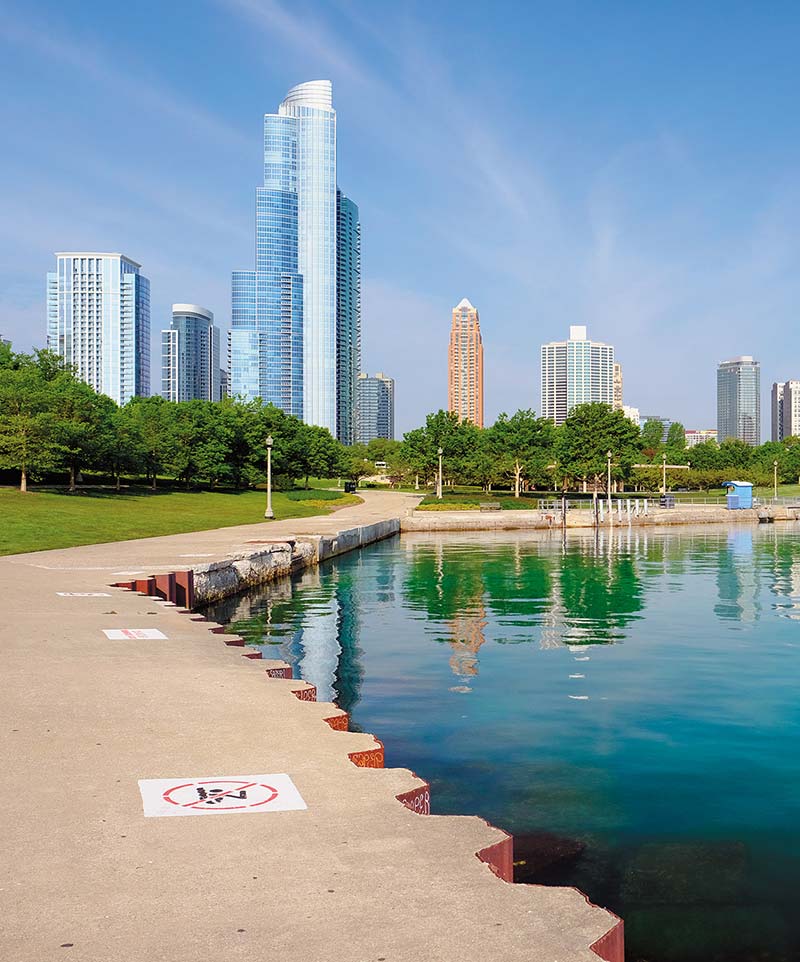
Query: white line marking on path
x=579, y=697
x=134, y=634
x=83, y=594
x=577, y=676
x=237, y=794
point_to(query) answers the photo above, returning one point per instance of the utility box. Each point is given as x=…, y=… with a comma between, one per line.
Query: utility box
x=739, y=495
x=350, y=487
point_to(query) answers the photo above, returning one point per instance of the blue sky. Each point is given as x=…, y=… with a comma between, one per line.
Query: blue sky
x=630, y=166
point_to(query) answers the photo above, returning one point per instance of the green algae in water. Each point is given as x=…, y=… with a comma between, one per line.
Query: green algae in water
x=627, y=704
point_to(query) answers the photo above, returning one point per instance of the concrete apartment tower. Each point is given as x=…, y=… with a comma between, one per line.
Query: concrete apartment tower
x=785, y=410
x=618, y=404
x=98, y=319
x=739, y=400
x=465, y=365
x=190, y=355
x=577, y=371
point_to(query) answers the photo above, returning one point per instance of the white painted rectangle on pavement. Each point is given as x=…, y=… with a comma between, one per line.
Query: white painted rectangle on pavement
x=228, y=794
x=83, y=594
x=133, y=634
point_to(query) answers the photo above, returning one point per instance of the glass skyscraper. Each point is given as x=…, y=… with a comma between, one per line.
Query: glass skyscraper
x=577, y=371
x=284, y=313
x=375, y=408
x=190, y=355
x=348, y=315
x=739, y=400
x=98, y=319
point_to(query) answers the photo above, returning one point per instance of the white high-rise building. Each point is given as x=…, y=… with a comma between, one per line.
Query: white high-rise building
x=632, y=414
x=98, y=319
x=577, y=371
x=785, y=410
x=739, y=400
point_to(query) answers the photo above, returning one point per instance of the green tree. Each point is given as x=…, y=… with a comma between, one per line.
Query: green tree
x=523, y=444
x=27, y=414
x=589, y=432
x=420, y=448
x=82, y=425
x=652, y=433
x=676, y=437
x=151, y=424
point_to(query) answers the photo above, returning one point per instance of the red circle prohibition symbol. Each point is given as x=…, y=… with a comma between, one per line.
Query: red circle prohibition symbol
x=228, y=789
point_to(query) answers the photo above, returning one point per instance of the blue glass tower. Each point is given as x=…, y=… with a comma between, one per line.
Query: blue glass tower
x=348, y=316
x=283, y=314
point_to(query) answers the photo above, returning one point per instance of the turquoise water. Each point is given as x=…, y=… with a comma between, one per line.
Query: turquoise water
x=627, y=706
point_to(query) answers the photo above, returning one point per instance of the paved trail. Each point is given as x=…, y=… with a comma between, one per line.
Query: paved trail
x=354, y=877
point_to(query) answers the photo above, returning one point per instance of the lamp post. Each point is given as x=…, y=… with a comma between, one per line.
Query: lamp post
x=269, y=513
x=608, y=484
x=775, y=478
x=663, y=474
x=439, y=478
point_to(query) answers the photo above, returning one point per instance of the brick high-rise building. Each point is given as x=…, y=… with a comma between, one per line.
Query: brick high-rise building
x=465, y=365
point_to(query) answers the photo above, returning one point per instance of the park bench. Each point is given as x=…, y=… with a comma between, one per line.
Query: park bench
x=489, y=506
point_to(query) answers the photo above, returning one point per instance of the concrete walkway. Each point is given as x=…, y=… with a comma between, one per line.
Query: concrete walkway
x=356, y=877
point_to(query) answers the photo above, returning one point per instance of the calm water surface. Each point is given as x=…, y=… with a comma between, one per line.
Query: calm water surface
x=626, y=705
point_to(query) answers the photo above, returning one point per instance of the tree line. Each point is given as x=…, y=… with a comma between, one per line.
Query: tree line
x=526, y=452
x=52, y=424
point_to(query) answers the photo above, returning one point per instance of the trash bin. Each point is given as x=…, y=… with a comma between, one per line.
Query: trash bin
x=350, y=487
x=666, y=501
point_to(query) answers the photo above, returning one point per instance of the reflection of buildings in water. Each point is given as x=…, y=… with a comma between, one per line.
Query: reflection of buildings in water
x=318, y=647
x=785, y=569
x=553, y=619
x=467, y=630
x=349, y=671
x=737, y=580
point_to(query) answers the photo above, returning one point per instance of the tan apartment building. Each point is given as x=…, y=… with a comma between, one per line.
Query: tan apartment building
x=465, y=365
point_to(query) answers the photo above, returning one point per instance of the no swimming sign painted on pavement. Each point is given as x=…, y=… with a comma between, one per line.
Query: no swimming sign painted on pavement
x=242, y=794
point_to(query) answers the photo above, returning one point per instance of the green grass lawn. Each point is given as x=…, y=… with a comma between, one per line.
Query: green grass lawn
x=51, y=519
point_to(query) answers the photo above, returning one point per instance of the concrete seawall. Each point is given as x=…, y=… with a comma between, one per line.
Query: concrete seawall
x=274, y=559
x=584, y=518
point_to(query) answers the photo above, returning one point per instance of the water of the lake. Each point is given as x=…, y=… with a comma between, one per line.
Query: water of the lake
x=627, y=706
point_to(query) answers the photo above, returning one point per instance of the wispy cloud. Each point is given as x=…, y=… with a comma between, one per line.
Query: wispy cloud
x=131, y=82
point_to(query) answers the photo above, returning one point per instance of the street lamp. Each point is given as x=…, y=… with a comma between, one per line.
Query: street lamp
x=608, y=484
x=439, y=478
x=775, y=478
x=663, y=474
x=269, y=513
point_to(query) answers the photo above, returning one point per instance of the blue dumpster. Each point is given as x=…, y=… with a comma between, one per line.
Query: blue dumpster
x=739, y=495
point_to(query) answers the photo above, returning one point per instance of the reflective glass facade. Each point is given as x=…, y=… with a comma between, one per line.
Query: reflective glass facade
x=374, y=408
x=190, y=355
x=98, y=319
x=739, y=400
x=348, y=316
x=283, y=314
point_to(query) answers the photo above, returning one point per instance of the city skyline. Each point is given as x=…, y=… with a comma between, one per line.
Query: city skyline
x=623, y=208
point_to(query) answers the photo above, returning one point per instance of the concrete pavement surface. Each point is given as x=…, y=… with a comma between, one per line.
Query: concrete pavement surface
x=355, y=877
